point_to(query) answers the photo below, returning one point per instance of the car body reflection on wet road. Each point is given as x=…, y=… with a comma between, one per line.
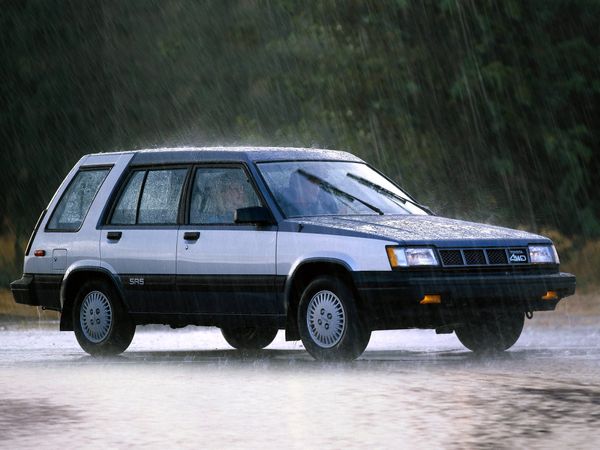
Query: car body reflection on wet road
x=410, y=389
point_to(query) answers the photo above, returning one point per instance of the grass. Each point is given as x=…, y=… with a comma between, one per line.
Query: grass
x=580, y=305
x=9, y=310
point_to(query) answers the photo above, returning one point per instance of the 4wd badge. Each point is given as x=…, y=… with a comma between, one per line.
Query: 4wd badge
x=517, y=256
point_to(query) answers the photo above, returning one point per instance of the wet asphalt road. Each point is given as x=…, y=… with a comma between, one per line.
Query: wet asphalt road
x=186, y=388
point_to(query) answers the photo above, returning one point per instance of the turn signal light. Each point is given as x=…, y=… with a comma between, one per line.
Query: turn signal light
x=431, y=299
x=40, y=253
x=392, y=256
x=550, y=295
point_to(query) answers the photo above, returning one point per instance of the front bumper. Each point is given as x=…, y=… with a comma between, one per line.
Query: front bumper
x=392, y=299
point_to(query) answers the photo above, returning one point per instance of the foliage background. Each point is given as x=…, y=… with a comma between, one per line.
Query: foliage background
x=484, y=110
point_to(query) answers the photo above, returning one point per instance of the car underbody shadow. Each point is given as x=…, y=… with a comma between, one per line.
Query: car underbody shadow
x=299, y=357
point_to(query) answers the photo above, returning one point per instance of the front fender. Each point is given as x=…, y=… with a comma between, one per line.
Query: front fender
x=357, y=253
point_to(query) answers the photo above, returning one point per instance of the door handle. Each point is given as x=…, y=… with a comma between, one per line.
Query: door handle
x=114, y=235
x=191, y=235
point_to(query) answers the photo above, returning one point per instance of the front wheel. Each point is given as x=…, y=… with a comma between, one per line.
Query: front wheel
x=249, y=338
x=329, y=322
x=492, y=332
x=101, y=324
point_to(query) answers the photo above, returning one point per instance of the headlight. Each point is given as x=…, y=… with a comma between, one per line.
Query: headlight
x=543, y=254
x=411, y=256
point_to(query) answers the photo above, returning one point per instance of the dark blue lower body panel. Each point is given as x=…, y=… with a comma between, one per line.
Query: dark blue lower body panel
x=392, y=299
x=39, y=290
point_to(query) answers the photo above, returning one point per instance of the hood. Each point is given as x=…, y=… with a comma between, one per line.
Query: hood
x=419, y=229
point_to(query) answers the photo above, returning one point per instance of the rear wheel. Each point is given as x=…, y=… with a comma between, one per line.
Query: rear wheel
x=101, y=324
x=492, y=332
x=249, y=338
x=329, y=322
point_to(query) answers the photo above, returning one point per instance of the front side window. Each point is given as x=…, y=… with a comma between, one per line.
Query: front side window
x=150, y=197
x=326, y=188
x=75, y=203
x=217, y=192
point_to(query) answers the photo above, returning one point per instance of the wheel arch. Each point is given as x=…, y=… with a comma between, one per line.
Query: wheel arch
x=303, y=273
x=71, y=284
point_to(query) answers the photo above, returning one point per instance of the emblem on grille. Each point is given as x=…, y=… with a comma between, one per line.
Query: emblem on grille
x=517, y=256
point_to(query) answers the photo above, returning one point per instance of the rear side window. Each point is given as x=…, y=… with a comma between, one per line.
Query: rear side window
x=150, y=197
x=160, y=198
x=126, y=209
x=75, y=203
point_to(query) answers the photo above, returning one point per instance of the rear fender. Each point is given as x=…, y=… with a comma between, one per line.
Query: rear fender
x=74, y=277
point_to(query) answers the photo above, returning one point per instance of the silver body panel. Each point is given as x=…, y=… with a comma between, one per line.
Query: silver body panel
x=228, y=251
x=355, y=253
x=85, y=243
x=140, y=251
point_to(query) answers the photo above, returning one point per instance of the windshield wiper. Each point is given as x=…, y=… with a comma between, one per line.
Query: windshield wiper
x=334, y=190
x=387, y=192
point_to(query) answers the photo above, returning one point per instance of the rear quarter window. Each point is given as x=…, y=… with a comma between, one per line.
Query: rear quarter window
x=73, y=206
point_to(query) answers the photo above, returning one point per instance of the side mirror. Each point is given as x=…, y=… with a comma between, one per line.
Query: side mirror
x=254, y=214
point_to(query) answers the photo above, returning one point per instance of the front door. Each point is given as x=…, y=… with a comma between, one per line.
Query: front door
x=224, y=268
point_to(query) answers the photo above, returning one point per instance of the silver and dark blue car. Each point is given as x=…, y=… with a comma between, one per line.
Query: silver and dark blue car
x=256, y=240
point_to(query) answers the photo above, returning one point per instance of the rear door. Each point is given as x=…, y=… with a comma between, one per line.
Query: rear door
x=224, y=268
x=139, y=240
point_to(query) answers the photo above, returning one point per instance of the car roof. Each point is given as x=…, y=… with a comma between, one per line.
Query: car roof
x=239, y=154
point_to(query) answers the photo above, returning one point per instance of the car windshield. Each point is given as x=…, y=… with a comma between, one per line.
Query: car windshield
x=330, y=188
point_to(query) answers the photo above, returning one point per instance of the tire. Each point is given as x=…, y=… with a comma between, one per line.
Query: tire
x=492, y=332
x=329, y=323
x=101, y=324
x=249, y=338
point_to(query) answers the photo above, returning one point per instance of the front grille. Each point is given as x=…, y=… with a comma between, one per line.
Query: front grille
x=497, y=256
x=474, y=257
x=461, y=257
x=451, y=257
